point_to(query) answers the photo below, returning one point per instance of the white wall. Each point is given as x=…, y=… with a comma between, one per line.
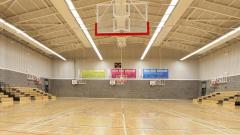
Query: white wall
x=177, y=69
x=224, y=61
x=17, y=57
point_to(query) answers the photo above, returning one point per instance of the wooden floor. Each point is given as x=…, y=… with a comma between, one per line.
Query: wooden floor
x=75, y=116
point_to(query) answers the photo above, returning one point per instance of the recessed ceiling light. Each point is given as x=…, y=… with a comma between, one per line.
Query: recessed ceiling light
x=230, y=35
x=160, y=26
x=27, y=38
x=83, y=27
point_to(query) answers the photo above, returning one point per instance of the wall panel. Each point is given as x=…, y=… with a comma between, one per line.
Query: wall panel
x=174, y=89
x=187, y=70
x=221, y=62
x=17, y=57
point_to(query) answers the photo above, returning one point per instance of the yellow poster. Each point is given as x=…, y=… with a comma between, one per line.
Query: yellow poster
x=93, y=73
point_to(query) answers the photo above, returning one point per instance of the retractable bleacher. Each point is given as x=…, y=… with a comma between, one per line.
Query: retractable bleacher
x=225, y=98
x=4, y=98
x=35, y=94
x=23, y=94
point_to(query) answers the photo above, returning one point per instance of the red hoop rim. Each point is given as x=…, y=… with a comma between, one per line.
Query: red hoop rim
x=123, y=34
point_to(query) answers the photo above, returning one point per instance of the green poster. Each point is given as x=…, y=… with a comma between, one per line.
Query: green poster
x=93, y=73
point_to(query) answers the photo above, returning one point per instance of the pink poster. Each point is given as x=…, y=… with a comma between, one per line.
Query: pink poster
x=117, y=72
x=130, y=73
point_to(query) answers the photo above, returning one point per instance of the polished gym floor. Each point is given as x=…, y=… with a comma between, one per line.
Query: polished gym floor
x=81, y=116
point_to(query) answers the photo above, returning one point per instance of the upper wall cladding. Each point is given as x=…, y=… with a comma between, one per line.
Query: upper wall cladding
x=17, y=57
x=222, y=62
x=187, y=70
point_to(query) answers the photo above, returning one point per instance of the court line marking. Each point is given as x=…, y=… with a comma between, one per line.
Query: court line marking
x=123, y=118
x=203, y=123
x=197, y=121
x=50, y=118
x=124, y=124
x=54, y=117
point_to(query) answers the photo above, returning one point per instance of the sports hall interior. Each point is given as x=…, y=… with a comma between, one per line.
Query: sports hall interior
x=119, y=67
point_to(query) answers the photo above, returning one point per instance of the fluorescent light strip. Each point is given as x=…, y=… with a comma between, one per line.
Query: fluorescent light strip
x=213, y=43
x=27, y=37
x=83, y=27
x=160, y=26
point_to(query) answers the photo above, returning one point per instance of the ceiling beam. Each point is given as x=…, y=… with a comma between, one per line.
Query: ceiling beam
x=38, y=24
x=178, y=46
x=207, y=27
x=46, y=30
x=185, y=40
x=182, y=42
x=66, y=48
x=153, y=19
x=56, y=32
x=179, y=10
x=218, y=9
x=59, y=39
x=155, y=10
x=66, y=42
x=188, y=37
x=29, y=16
x=88, y=3
x=215, y=43
x=194, y=29
x=192, y=35
x=217, y=30
x=62, y=8
x=212, y=20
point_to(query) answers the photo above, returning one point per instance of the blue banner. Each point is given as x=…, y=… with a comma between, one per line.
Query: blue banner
x=154, y=73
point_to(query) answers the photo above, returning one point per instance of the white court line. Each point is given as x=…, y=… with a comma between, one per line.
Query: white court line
x=124, y=123
x=123, y=118
x=196, y=121
x=52, y=118
x=202, y=122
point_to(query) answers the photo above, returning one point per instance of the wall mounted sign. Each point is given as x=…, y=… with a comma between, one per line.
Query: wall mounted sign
x=93, y=73
x=117, y=65
x=129, y=73
x=154, y=73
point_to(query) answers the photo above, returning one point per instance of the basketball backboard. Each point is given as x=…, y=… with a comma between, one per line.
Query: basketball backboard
x=122, y=18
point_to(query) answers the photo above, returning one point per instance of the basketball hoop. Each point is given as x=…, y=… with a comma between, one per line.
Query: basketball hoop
x=214, y=83
x=121, y=80
x=122, y=18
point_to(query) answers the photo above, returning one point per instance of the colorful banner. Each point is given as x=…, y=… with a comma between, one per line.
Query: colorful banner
x=93, y=73
x=155, y=73
x=129, y=73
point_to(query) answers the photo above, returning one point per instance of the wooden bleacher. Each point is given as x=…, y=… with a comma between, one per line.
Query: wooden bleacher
x=24, y=94
x=225, y=98
x=34, y=94
x=5, y=99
